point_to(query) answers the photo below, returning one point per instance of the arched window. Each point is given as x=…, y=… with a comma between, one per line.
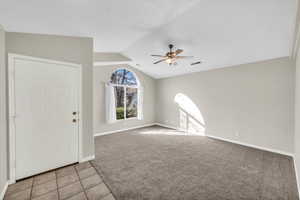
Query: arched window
x=123, y=77
x=125, y=92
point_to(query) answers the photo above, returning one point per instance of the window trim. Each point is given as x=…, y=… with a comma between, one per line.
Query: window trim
x=125, y=106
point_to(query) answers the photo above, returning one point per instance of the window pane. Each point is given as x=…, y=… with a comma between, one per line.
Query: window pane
x=119, y=95
x=123, y=77
x=131, y=102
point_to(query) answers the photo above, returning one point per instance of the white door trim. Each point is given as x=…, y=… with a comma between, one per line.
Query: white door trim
x=12, y=114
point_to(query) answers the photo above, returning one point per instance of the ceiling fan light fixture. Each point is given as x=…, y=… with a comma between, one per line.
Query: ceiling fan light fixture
x=169, y=61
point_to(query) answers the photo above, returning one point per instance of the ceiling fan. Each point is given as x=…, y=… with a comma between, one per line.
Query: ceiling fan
x=172, y=56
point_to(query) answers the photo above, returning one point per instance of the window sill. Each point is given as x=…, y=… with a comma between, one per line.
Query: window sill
x=127, y=119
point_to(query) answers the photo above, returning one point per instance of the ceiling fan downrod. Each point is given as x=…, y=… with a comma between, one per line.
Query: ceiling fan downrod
x=171, y=47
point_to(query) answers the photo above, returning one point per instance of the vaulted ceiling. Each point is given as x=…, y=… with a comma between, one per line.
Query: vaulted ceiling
x=219, y=33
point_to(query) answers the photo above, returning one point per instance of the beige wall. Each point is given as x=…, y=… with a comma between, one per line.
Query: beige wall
x=3, y=114
x=101, y=76
x=70, y=49
x=297, y=117
x=251, y=103
x=297, y=97
x=109, y=57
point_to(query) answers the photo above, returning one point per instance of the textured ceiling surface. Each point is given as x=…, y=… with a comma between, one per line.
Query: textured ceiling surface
x=219, y=33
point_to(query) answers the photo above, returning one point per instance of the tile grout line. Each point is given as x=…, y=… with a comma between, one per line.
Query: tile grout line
x=70, y=184
x=30, y=196
x=81, y=183
x=32, y=185
x=56, y=180
x=103, y=180
x=72, y=195
x=57, y=184
x=45, y=182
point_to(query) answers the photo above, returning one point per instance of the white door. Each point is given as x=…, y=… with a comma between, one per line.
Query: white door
x=46, y=95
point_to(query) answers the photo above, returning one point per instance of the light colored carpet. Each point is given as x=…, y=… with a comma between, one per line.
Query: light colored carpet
x=157, y=163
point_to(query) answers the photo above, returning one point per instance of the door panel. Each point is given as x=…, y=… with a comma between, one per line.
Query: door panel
x=46, y=95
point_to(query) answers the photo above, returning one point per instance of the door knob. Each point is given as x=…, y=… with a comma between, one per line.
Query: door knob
x=74, y=120
x=74, y=113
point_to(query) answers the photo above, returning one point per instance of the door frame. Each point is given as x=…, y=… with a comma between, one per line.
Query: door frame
x=12, y=108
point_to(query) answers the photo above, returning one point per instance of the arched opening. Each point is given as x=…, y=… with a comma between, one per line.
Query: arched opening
x=190, y=117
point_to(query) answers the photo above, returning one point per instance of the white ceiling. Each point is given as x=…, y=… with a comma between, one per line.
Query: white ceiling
x=220, y=33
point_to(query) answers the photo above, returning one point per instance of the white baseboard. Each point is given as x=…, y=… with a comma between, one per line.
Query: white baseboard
x=121, y=130
x=235, y=141
x=3, y=191
x=251, y=145
x=88, y=158
x=166, y=126
x=296, y=173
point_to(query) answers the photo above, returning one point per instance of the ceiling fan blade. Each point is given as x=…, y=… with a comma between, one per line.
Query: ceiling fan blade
x=160, y=61
x=158, y=56
x=183, y=57
x=196, y=63
x=178, y=51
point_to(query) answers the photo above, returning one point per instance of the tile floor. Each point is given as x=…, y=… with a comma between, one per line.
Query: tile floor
x=75, y=182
